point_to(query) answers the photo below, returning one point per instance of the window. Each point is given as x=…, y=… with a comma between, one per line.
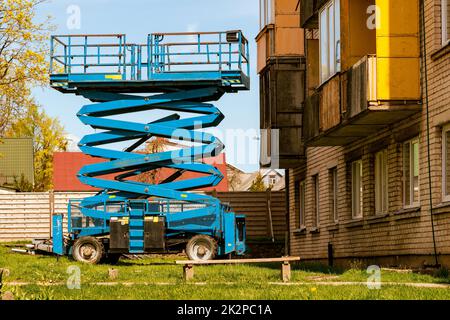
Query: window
x=411, y=173
x=315, y=188
x=330, y=40
x=445, y=20
x=272, y=179
x=357, y=189
x=446, y=163
x=381, y=182
x=333, y=194
x=266, y=13
x=302, y=192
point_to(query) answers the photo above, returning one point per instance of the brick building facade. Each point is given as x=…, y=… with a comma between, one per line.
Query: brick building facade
x=363, y=191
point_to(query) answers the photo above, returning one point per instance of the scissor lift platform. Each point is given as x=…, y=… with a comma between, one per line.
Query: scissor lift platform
x=167, y=62
x=177, y=74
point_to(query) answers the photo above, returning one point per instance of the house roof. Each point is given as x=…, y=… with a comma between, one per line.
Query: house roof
x=67, y=164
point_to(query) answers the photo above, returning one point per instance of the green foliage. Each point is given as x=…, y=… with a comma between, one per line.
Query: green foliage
x=258, y=184
x=22, y=184
x=23, y=63
x=48, y=137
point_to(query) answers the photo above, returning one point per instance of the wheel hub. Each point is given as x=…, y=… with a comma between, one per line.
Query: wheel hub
x=87, y=251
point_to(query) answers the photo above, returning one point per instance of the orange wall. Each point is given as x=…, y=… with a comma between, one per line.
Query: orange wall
x=285, y=37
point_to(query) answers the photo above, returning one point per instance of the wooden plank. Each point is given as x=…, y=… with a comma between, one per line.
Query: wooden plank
x=238, y=261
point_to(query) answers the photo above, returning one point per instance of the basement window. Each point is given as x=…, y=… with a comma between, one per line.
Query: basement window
x=411, y=173
x=381, y=182
x=446, y=163
x=330, y=40
x=445, y=21
x=357, y=189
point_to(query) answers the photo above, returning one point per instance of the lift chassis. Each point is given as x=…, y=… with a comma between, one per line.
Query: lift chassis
x=177, y=79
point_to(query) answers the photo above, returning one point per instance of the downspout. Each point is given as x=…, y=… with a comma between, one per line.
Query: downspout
x=425, y=68
x=288, y=224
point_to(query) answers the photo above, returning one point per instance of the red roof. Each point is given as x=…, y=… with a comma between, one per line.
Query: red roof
x=67, y=164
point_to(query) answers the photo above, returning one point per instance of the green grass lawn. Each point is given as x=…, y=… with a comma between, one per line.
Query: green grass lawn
x=45, y=277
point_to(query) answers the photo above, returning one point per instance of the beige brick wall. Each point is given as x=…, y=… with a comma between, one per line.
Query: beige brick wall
x=400, y=232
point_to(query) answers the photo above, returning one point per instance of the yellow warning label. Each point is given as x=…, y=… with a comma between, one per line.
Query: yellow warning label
x=112, y=197
x=184, y=195
x=113, y=76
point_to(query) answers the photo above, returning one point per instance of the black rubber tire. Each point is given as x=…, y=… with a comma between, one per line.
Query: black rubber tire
x=88, y=250
x=208, y=243
x=112, y=258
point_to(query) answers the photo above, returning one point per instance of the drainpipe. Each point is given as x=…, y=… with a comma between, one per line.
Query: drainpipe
x=425, y=88
x=287, y=237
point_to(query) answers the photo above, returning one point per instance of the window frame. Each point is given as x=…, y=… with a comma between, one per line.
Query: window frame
x=316, y=198
x=334, y=68
x=412, y=203
x=445, y=196
x=384, y=176
x=333, y=194
x=360, y=191
x=266, y=13
x=445, y=36
x=302, y=203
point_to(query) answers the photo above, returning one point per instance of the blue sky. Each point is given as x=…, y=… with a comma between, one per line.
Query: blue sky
x=137, y=18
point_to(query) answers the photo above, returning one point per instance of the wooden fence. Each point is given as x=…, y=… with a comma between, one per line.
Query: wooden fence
x=24, y=216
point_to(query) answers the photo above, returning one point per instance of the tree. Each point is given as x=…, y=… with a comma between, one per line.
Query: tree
x=23, y=48
x=155, y=145
x=234, y=179
x=48, y=137
x=258, y=184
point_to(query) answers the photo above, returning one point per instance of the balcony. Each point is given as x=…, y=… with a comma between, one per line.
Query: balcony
x=348, y=107
x=282, y=88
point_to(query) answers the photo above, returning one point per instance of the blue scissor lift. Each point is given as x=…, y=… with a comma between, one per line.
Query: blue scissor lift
x=173, y=73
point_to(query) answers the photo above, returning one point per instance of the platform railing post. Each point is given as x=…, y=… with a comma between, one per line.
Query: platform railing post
x=51, y=54
x=220, y=51
x=85, y=53
x=69, y=44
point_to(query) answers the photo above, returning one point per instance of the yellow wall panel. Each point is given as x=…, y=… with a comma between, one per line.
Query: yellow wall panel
x=398, y=65
x=286, y=6
x=398, y=17
x=261, y=43
x=288, y=20
x=398, y=79
x=398, y=47
x=289, y=41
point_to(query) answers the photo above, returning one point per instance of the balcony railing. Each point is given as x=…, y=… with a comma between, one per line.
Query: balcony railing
x=347, y=107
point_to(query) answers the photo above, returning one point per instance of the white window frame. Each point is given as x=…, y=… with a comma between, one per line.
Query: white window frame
x=445, y=196
x=412, y=203
x=357, y=190
x=272, y=179
x=302, y=204
x=334, y=194
x=266, y=13
x=381, y=182
x=444, y=22
x=316, y=217
x=334, y=66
